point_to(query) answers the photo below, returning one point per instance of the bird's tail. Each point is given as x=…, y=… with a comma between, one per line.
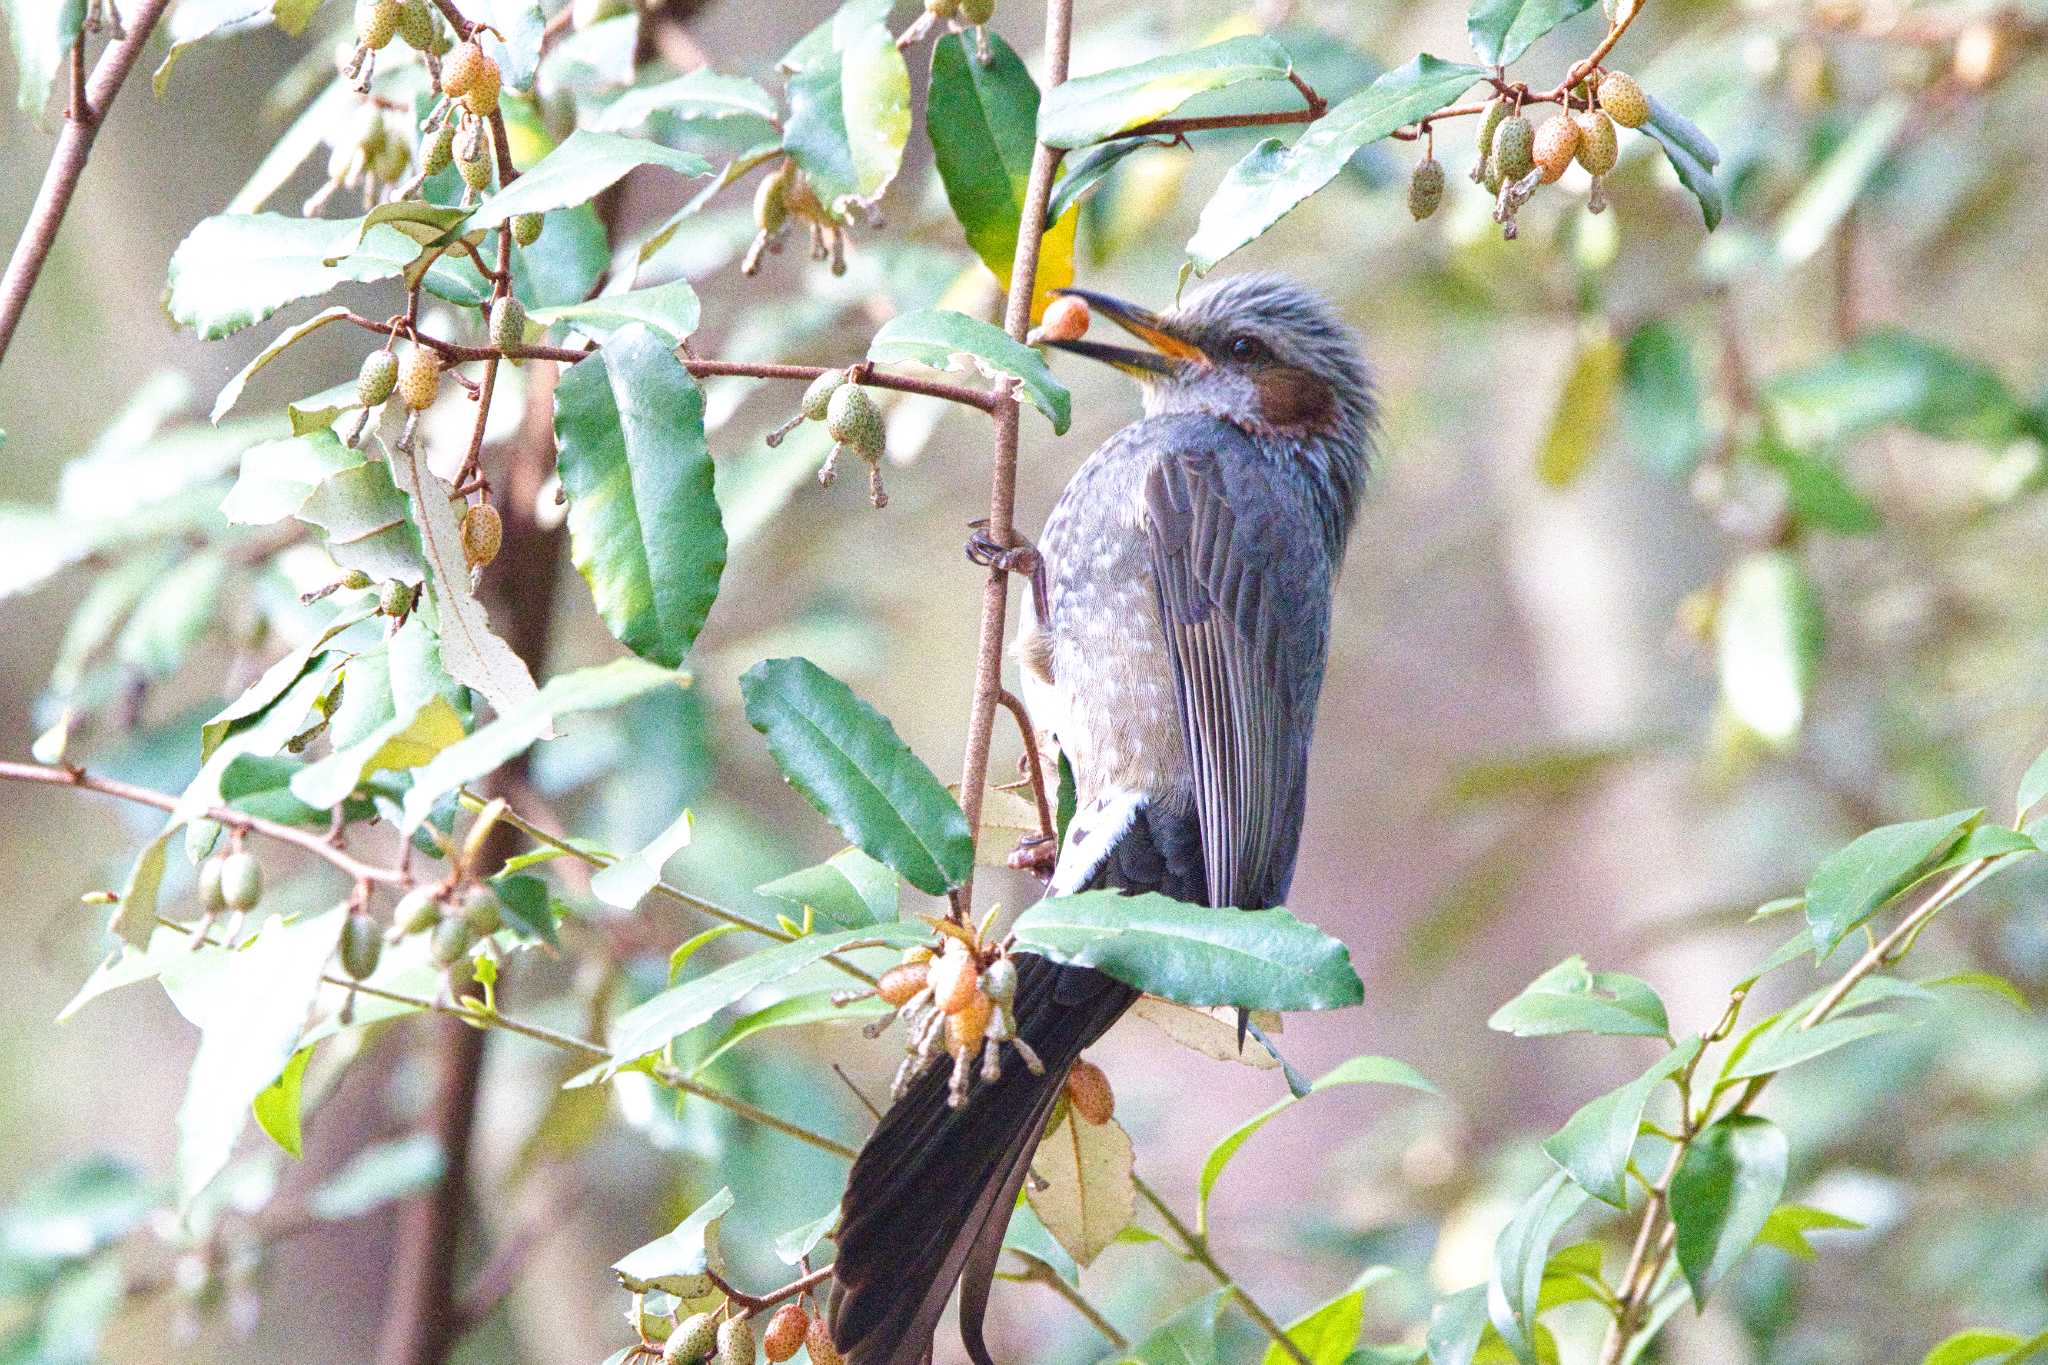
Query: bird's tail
x=931, y=1193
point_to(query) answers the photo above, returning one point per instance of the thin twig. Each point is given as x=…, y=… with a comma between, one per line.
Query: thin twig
x=754, y=1303
x=1041, y=1273
x=227, y=817
x=1197, y=1247
x=67, y=161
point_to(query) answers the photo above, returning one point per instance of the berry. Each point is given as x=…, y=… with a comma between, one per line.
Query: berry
x=1089, y=1093
x=418, y=910
x=771, y=201
x=508, y=324
x=481, y=912
x=210, y=898
x=853, y=419
x=736, y=1341
x=1513, y=147
x=356, y=580
x=1425, y=188
x=476, y=167
x=786, y=1332
x=999, y=982
x=439, y=153
x=361, y=945
x=1496, y=110
x=900, y=983
x=241, y=881
x=816, y=399
x=693, y=1339
x=1597, y=150
x=1066, y=319
x=376, y=21
x=1556, y=141
x=459, y=72
x=954, y=979
x=916, y=952
x=392, y=160
x=416, y=24
x=818, y=1341
x=419, y=377
x=942, y=9
x=483, y=531
x=967, y=1026
x=977, y=12
x=526, y=228
x=377, y=377
x=1624, y=100
x=481, y=98
x=451, y=942
x=396, y=598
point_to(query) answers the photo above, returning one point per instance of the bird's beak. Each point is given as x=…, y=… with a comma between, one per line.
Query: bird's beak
x=1168, y=352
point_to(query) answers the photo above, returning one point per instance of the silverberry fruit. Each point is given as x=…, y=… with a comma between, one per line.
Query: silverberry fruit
x=695, y=1337
x=461, y=68
x=1089, y=1093
x=419, y=377
x=241, y=881
x=376, y=21
x=483, y=531
x=451, y=941
x=853, y=419
x=1556, y=142
x=999, y=982
x=210, y=898
x=1066, y=319
x=439, y=151
x=508, y=324
x=418, y=910
x=1624, y=100
x=481, y=98
x=1425, y=188
x=736, y=1340
x=954, y=979
x=977, y=12
x=416, y=25
x=361, y=946
x=968, y=1025
x=1597, y=145
x=396, y=598
x=476, y=167
x=526, y=228
x=818, y=1341
x=901, y=982
x=785, y=1334
x=1514, y=147
x=818, y=397
x=376, y=379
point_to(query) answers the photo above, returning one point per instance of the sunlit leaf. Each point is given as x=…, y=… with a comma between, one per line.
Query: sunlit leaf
x=1893, y=377
x=1520, y=1255
x=670, y=309
x=43, y=34
x=1094, y=108
x=277, y=1108
x=944, y=339
x=701, y=94
x=1189, y=1337
x=1852, y=885
x=676, y=1261
x=1788, y=1225
x=1768, y=635
x=583, y=167
x=1502, y=30
x=849, y=889
x=1596, y=1143
x=795, y=1011
x=236, y=269
x=628, y=879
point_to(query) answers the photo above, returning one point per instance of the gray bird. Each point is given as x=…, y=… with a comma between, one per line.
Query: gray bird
x=1174, y=646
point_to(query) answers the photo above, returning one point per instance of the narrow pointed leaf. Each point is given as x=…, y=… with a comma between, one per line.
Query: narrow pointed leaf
x=1730, y=1178
x=1595, y=1144
x=1854, y=884
x=1520, y=1256
x=1093, y=108
x=584, y=166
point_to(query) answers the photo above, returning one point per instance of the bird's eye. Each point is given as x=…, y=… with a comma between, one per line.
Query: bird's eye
x=1246, y=348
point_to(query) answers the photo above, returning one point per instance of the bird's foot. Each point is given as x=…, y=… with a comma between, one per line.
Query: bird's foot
x=984, y=549
x=1036, y=854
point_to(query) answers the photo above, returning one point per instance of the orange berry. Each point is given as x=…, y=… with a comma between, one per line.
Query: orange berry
x=954, y=977
x=1066, y=319
x=786, y=1332
x=900, y=983
x=967, y=1026
x=818, y=1341
x=1556, y=141
x=1089, y=1093
x=459, y=72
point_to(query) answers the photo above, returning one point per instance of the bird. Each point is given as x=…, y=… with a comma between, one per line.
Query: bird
x=1173, y=646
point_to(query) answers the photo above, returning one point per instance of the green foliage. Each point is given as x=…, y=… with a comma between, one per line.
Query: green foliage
x=1096, y=108
x=939, y=338
x=980, y=117
x=1722, y=1195
x=1597, y=1143
x=1254, y=959
x=1570, y=998
x=1850, y=886
x=1502, y=30
x=675, y=1262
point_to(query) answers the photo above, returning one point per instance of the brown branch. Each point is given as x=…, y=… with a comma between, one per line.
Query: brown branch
x=568, y=355
x=1002, y=499
x=755, y=1304
x=90, y=102
x=1010, y=702
x=224, y=816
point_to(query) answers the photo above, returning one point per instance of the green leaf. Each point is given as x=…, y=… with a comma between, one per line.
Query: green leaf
x=1662, y=399
x=1083, y=171
x=1768, y=635
x=2033, y=784
x=236, y=269
x=1520, y=1254
x=653, y=1024
x=795, y=1011
x=846, y=760
x=1969, y=1347
x=792, y=1246
x=944, y=339
x=702, y=94
x=1088, y=1196
x=1579, y=421
x=277, y=1108
x=1596, y=1143
x=511, y=734
x=1328, y=1334
x=250, y=1006
x=1852, y=885
x=1691, y=154
x=585, y=165
x=849, y=116
x=278, y=476
x=1819, y=495
x=1788, y=1225
x=1357, y=1071
x=676, y=1261
x=405, y=741
x=1810, y=219
x=380, y=1175
x=1095, y=108
x=670, y=309
x=1189, y=1337
x=628, y=879
x=1894, y=378
x=1571, y=999
x=1273, y=177
x=1989, y=983
x=1027, y=1237
x=980, y=117
x=231, y=391
x=174, y=617
x=644, y=528
x=134, y=917
x=1502, y=30
x=43, y=35
x=1254, y=959
x=849, y=889
x=528, y=910
x=1785, y=1044
x=368, y=522
x=694, y=944
x=1729, y=1179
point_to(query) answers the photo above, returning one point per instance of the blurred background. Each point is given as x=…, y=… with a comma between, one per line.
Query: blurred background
x=1535, y=739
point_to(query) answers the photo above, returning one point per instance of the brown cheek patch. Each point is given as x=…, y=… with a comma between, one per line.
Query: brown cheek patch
x=1295, y=398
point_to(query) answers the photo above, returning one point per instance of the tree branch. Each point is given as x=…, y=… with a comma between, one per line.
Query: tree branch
x=81, y=125
x=1197, y=1247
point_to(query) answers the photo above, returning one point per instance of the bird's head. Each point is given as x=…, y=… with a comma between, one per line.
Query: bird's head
x=1260, y=351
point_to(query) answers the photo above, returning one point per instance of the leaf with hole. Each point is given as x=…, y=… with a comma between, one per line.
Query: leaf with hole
x=1570, y=998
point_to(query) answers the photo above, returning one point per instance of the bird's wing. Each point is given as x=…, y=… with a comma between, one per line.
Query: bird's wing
x=1243, y=587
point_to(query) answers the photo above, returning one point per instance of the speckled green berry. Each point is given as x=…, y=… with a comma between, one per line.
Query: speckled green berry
x=819, y=395
x=1489, y=121
x=211, y=901
x=476, y=168
x=695, y=1337
x=1624, y=100
x=736, y=1340
x=419, y=377
x=452, y=941
x=241, y=881
x=361, y=946
x=396, y=598
x=1514, y=144
x=526, y=228
x=376, y=379
x=853, y=419
x=376, y=21
x=416, y=24
x=508, y=324
x=1425, y=188
x=439, y=151
x=977, y=12
x=1598, y=148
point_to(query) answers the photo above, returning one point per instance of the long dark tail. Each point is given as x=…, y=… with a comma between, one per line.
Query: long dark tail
x=931, y=1193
